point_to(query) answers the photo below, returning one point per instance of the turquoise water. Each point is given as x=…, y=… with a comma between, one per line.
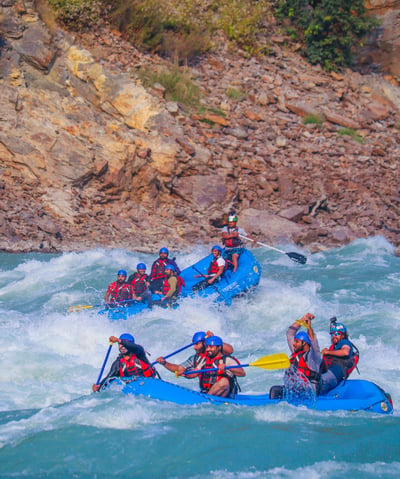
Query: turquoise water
x=52, y=426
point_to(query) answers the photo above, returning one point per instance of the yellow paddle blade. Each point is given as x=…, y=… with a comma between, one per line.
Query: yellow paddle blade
x=79, y=307
x=272, y=361
x=303, y=323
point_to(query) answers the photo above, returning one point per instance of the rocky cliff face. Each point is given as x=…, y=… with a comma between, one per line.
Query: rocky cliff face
x=387, y=49
x=90, y=158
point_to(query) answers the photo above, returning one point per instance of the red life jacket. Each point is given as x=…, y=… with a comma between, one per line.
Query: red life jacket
x=301, y=368
x=135, y=367
x=158, y=268
x=232, y=242
x=214, y=268
x=347, y=363
x=139, y=283
x=208, y=379
x=166, y=286
x=119, y=292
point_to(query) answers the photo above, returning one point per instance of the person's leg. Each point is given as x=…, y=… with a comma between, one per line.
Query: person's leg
x=235, y=258
x=156, y=284
x=220, y=388
x=146, y=295
x=200, y=286
x=276, y=392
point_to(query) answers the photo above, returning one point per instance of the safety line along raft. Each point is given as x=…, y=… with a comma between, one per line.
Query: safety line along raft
x=350, y=395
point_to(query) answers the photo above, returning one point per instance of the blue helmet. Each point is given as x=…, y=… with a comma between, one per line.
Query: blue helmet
x=199, y=336
x=338, y=328
x=303, y=336
x=164, y=250
x=214, y=341
x=122, y=272
x=217, y=247
x=127, y=337
x=171, y=267
x=141, y=266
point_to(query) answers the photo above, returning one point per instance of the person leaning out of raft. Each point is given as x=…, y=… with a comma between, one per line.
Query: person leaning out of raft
x=171, y=287
x=306, y=359
x=118, y=292
x=131, y=361
x=199, y=346
x=215, y=270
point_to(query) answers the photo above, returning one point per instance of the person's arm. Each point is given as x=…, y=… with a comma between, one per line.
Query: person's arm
x=114, y=372
x=226, y=235
x=221, y=269
x=173, y=283
x=175, y=368
x=290, y=334
x=343, y=351
x=107, y=295
x=240, y=372
x=227, y=349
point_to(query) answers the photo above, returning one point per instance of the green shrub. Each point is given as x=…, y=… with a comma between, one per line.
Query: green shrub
x=174, y=28
x=331, y=29
x=242, y=21
x=177, y=82
x=352, y=133
x=78, y=14
x=235, y=93
x=183, y=29
x=313, y=119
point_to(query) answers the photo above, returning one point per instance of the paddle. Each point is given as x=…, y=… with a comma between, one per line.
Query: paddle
x=104, y=364
x=272, y=361
x=228, y=301
x=174, y=352
x=296, y=257
x=81, y=307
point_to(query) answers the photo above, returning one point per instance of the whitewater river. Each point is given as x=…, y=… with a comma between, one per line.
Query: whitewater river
x=51, y=425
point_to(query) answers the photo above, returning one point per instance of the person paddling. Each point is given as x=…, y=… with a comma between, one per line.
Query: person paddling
x=306, y=359
x=132, y=361
x=199, y=347
x=215, y=270
x=231, y=240
x=222, y=382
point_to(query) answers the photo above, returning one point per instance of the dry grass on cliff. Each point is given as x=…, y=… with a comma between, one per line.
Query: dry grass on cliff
x=180, y=29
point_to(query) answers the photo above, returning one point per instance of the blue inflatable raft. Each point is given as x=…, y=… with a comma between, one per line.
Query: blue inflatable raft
x=351, y=395
x=246, y=277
